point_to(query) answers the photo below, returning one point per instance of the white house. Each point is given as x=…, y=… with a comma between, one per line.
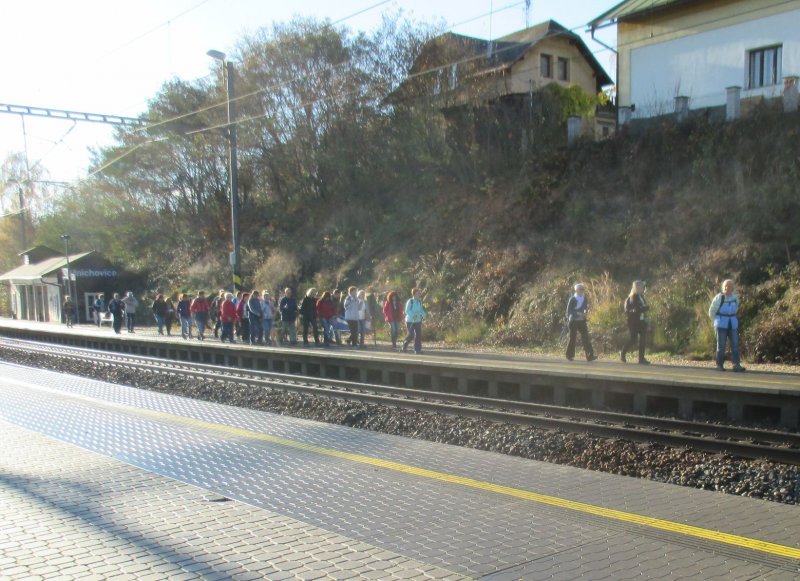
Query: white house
x=700, y=48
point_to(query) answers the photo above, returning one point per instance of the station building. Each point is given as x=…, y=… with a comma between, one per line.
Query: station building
x=37, y=287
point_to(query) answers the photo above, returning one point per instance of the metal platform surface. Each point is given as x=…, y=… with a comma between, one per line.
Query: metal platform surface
x=659, y=389
x=417, y=509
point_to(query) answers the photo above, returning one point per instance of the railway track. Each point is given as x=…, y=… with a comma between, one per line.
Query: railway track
x=737, y=441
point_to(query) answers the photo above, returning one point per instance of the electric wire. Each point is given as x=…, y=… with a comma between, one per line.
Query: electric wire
x=263, y=90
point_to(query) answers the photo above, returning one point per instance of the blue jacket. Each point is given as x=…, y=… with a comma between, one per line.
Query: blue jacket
x=723, y=311
x=255, y=309
x=415, y=311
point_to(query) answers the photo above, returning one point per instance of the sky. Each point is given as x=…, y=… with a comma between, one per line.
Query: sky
x=106, y=57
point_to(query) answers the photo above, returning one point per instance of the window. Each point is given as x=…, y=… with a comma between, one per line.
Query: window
x=764, y=67
x=563, y=69
x=453, y=76
x=546, y=66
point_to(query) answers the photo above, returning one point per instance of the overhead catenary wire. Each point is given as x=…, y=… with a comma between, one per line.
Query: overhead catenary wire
x=281, y=84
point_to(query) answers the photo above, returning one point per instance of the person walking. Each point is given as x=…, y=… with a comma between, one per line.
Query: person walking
x=131, y=304
x=577, y=311
x=351, y=315
x=171, y=315
x=636, y=308
x=393, y=315
x=99, y=308
x=160, y=312
x=288, y=308
x=68, y=308
x=415, y=315
x=268, y=308
x=308, y=310
x=185, y=315
x=326, y=313
x=722, y=311
x=117, y=309
x=255, y=315
x=227, y=318
x=199, y=310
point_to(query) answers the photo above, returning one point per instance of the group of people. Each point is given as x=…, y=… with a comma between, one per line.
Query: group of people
x=256, y=318
x=252, y=317
x=723, y=313
x=118, y=309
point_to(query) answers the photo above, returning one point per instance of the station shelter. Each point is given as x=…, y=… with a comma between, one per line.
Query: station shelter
x=37, y=288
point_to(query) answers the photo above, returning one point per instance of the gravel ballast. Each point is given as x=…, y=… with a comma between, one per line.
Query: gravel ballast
x=752, y=478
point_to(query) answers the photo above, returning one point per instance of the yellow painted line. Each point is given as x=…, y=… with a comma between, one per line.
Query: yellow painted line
x=608, y=513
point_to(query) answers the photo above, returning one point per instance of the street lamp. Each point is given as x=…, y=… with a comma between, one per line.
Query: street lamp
x=65, y=238
x=233, y=171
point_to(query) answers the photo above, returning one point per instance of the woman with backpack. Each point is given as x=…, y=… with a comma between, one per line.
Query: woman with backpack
x=636, y=308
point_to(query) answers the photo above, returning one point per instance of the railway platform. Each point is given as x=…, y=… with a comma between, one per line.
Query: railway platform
x=105, y=481
x=656, y=389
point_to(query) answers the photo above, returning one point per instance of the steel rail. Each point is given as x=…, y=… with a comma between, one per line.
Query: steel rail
x=771, y=445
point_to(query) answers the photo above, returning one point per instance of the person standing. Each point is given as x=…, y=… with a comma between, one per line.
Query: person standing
x=160, y=312
x=393, y=314
x=99, y=308
x=68, y=309
x=227, y=317
x=351, y=314
x=308, y=310
x=364, y=318
x=199, y=310
x=288, y=308
x=255, y=316
x=326, y=313
x=577, y=311
x=117, y=309
x=131, y=304
x=268, y=308
x=184, y=314
x=636, y=308
x=242, y=320
x=213, y=311
x=415, y=315
x=336, y=299
x=723, y=311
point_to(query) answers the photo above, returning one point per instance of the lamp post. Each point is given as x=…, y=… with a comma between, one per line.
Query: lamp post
x=65, y=238
x=233, y=169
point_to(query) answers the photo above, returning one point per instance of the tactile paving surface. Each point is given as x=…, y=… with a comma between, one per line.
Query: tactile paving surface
x=67, y=513
x=469, y=531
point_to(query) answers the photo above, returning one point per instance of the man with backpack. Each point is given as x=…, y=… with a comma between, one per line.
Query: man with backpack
x=723, y=311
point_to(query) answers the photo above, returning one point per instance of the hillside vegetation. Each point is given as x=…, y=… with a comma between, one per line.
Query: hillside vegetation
x=483, y=205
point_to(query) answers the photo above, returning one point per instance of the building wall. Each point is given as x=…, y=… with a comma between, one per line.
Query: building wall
x=698, y=50
x=527, y=71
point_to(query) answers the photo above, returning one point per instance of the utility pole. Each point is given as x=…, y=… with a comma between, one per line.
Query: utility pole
x=233, y=169
x=22, y=218
x=234, y=179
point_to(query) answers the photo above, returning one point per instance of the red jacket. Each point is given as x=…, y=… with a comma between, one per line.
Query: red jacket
x=199, y=305
x=240, y=312
x=227, y=311
x=391, y=315
x=326, y=309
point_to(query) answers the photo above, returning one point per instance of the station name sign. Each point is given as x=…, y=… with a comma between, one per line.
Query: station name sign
x=95, y=273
